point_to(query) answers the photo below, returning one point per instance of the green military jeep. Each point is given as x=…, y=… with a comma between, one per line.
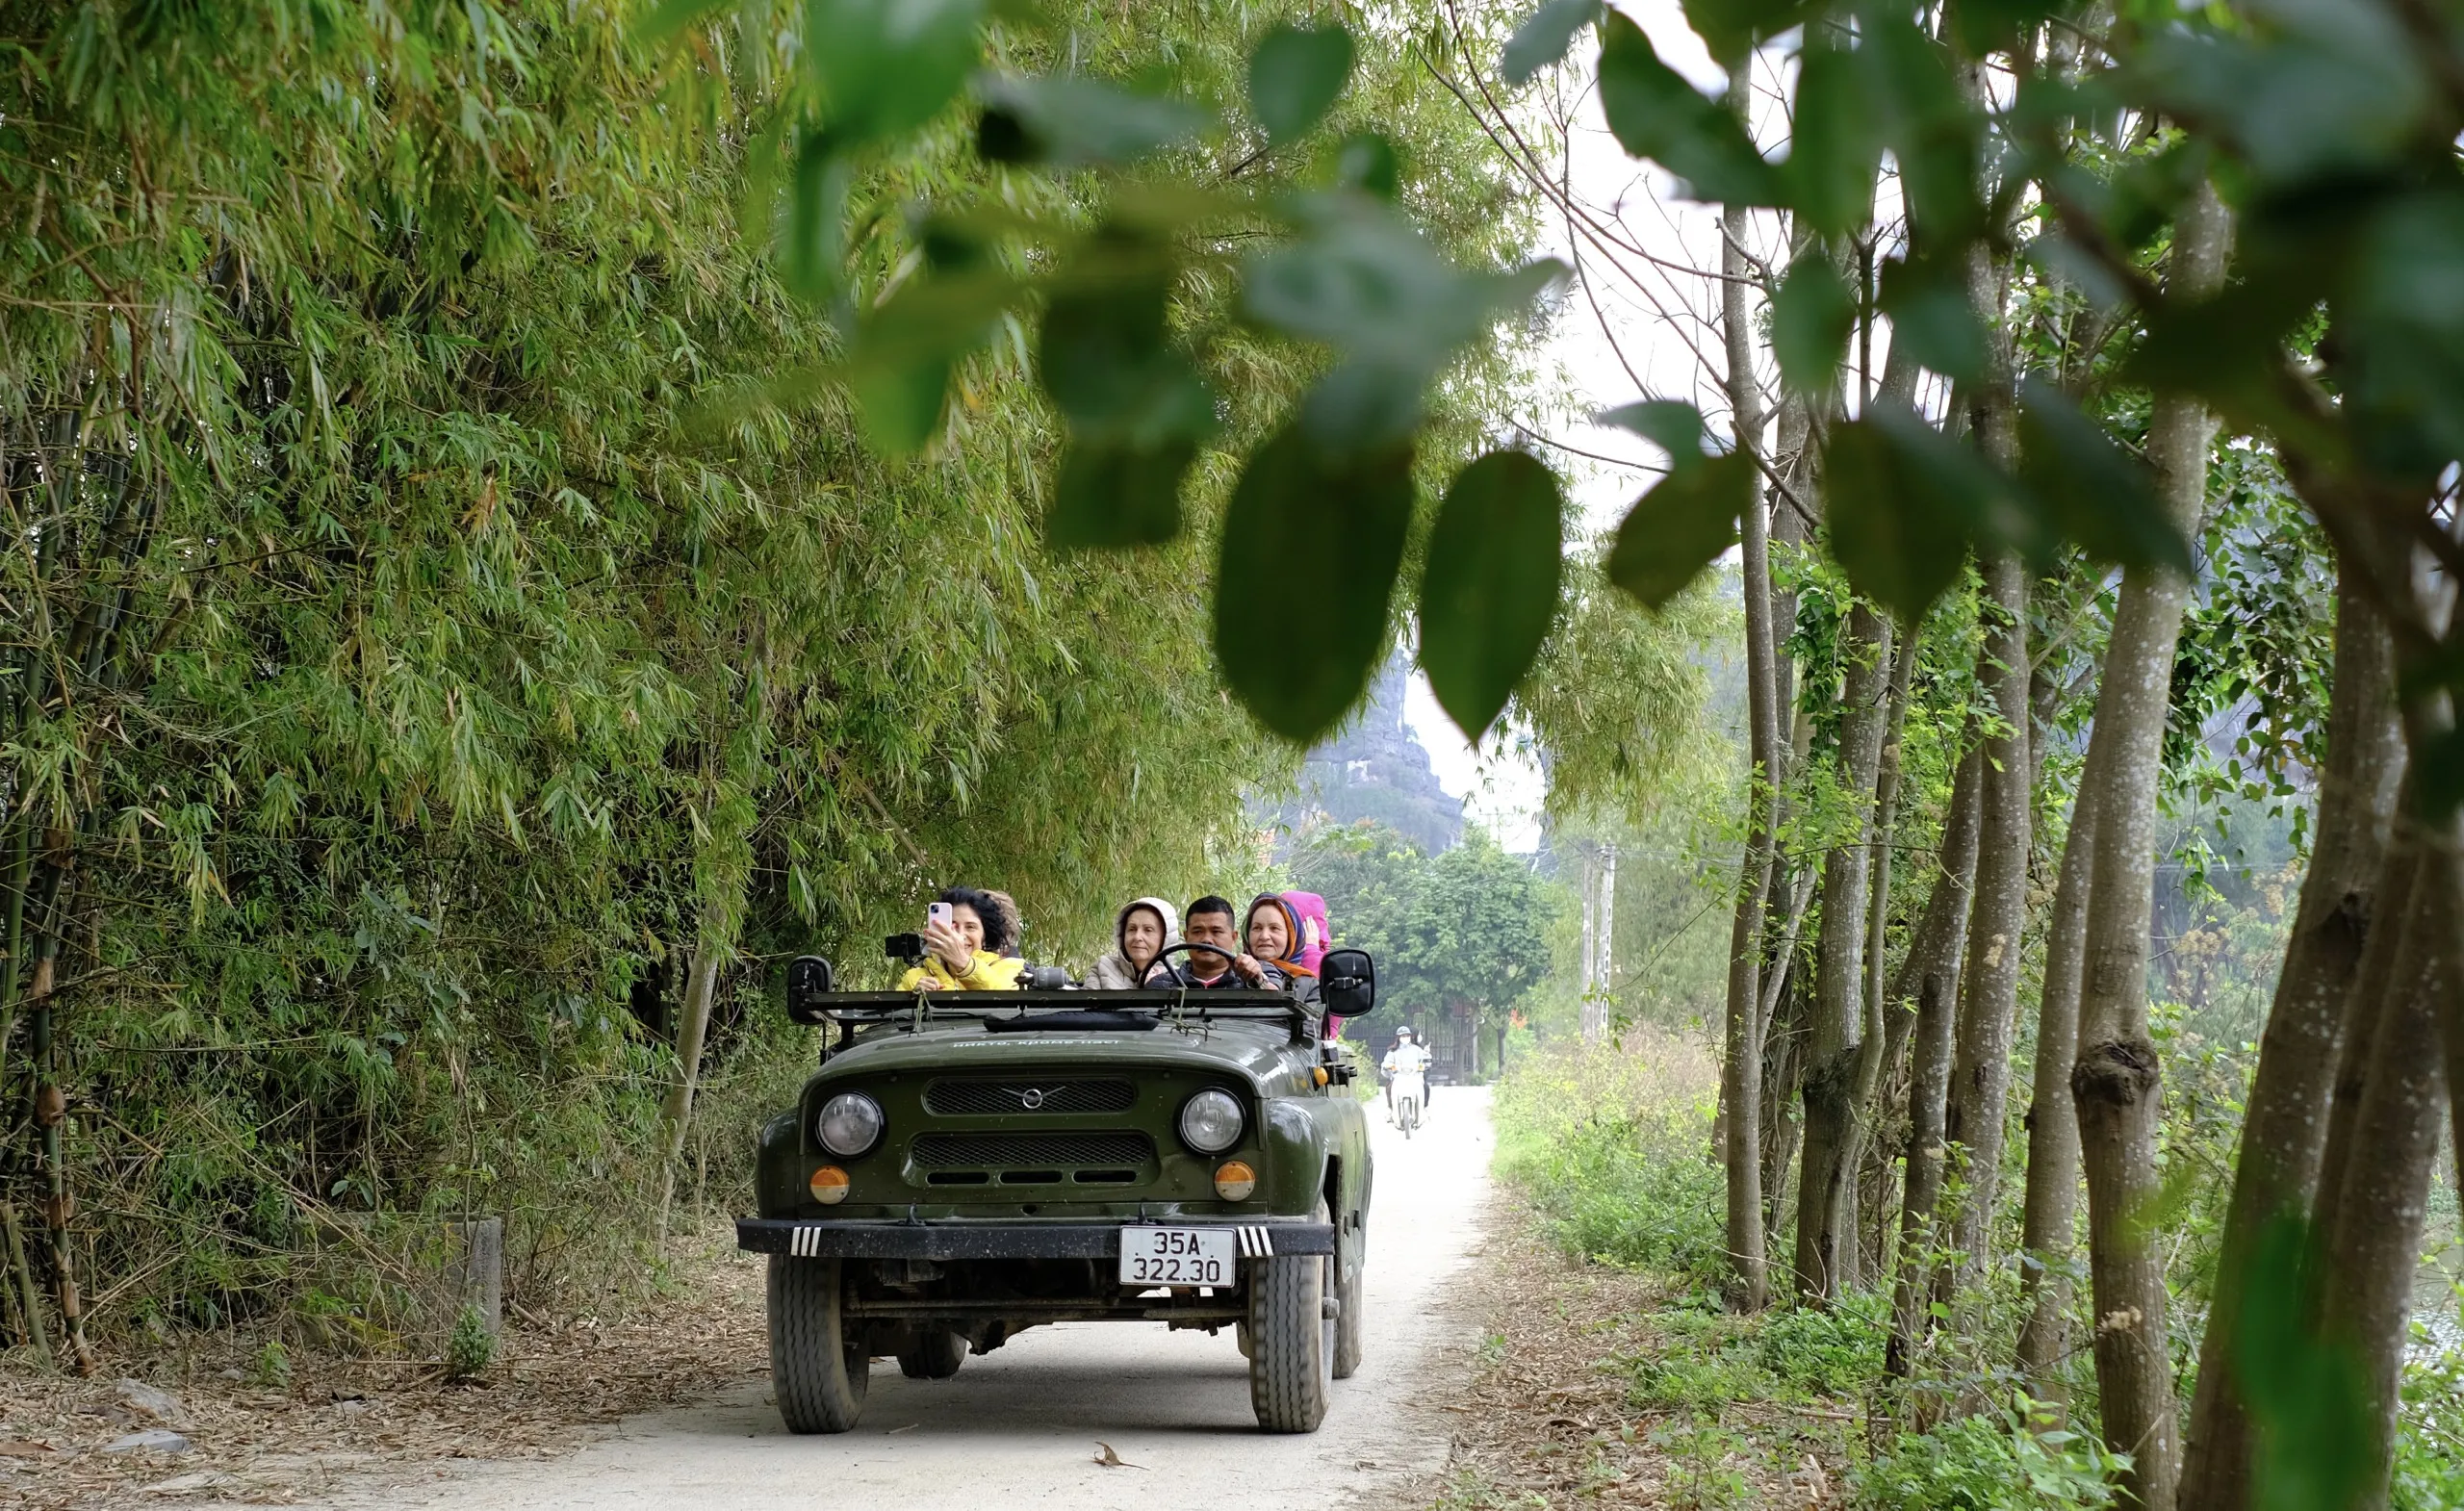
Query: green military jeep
x=967, y=1164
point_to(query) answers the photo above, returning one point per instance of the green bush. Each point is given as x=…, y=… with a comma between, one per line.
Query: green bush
x=1827, y=1351
x=2013, y=1460
x=1613, y=1149
x=2429, y=1436
x=471, y=1347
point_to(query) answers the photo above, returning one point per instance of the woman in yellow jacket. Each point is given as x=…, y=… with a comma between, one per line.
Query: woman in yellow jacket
x=955, y=958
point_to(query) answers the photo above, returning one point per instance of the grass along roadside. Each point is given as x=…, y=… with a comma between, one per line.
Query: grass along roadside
x=1612, y=1374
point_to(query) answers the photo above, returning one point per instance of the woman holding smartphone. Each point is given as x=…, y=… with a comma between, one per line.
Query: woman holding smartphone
x=955, y=958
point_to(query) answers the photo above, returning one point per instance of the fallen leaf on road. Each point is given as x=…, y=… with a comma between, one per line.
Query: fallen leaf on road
x=20, y=1447
x=1111, y=1460
x=895, y=1431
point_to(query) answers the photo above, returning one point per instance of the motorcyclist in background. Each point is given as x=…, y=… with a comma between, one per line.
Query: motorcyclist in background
x=1407, y=1059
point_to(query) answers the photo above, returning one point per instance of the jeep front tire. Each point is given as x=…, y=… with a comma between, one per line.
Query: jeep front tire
x=1291, y=1339
x=817, y=1370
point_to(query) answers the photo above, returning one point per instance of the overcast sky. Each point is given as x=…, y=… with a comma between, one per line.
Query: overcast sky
x=1659, y=319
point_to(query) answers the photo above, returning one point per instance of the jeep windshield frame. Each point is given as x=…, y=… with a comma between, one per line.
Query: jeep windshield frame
x=859, y=1009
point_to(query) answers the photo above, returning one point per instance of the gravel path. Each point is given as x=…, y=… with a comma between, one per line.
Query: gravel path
x=1021, y=1427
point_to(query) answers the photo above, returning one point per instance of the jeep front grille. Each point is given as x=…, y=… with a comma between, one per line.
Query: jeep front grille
x=950, y=1159
x=953, y=1098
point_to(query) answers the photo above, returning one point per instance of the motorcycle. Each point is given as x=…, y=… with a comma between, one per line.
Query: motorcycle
x=1411, y=1095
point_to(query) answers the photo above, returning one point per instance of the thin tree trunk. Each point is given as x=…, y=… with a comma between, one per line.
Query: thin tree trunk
x=1741, y=1087
x=1978, y=1103
x=1835, y=1028
x=2053, y=1122
x=1935, y=958
x=2116, y=1081
x=2284, y=1129
x=2374, y=1245
x=690, y=1033
x=1851, y=1263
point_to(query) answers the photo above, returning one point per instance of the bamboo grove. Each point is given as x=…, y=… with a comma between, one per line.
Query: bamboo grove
x=451, y=660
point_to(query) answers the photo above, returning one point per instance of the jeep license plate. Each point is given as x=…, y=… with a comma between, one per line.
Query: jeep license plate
x=1177, y=1257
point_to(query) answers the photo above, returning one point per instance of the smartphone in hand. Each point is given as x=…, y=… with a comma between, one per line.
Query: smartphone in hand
x=939, y=913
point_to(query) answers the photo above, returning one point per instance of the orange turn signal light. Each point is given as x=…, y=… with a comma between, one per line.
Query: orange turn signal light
x=1234, y=1180
x=829, y=1185
x=1320, y=1074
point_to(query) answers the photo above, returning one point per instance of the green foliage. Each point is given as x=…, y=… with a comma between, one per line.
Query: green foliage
x=1611, y=1150
x=1543, y=38
x=2430, y=1439
x=1467, y=926
x=1299, y=560
x=1689, y=517
x=1340, y=271
x=1703, y=1472
x=2015, y=1456
x=471, y=1347
x=1294, y=75
x=1489, y=592
x=468, y=599
x=1811, y=314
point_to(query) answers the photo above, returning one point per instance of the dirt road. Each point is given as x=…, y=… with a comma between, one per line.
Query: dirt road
x=1019, y=1427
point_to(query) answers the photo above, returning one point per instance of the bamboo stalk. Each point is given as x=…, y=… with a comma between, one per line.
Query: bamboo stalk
x=29, y=1305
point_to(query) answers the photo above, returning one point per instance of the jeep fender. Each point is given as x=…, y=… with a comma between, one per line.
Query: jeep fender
x=1295, y=1156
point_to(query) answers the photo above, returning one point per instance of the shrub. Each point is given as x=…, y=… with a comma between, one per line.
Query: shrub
x=471, y=1347
x=1613, y=1146
x=1827, y=1351
x=2013, y=1460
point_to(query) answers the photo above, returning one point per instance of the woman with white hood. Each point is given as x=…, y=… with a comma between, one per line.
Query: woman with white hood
x=1143, y=931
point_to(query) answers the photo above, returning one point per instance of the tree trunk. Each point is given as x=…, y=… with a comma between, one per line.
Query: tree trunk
x=1980, y=1087
x=2374, y=1245
x=2116, y=1081
x=691, y=1029
x=1931, y=973
x=1741, y=1080
x=1852, y=1261
x=1837, y=1022
x=2053, y=1122
x=2284, y=1129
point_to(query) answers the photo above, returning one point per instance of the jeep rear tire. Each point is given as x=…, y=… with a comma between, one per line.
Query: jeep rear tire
x=937, y=1358
x=817, y=1370
x=1351, y=1326
x=1291, y=1340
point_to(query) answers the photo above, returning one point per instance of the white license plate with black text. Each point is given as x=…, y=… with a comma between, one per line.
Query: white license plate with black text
x=1178, y=1257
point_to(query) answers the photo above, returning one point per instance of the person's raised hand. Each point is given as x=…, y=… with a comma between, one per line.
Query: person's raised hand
x=945, y=942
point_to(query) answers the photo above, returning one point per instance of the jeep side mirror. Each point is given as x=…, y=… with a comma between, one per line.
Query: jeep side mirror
x=810, y=979
x=1347, y=982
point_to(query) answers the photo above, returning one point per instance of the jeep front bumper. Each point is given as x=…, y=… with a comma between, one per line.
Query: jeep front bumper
x=857, y=1238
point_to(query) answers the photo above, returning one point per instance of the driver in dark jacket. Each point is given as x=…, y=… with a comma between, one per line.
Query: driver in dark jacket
x=1212, y=921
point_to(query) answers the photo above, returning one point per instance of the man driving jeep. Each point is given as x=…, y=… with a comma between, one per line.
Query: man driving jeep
x=1211, y=921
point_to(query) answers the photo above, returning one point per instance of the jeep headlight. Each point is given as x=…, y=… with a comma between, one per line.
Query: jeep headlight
x=1211, y=1121
x=850, y=1123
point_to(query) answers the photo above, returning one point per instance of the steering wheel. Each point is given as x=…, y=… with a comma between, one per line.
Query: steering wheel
x=1187, y=948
